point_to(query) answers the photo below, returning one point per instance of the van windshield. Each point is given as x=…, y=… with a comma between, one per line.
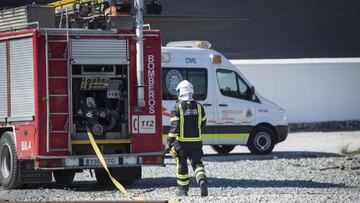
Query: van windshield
x=172, y=76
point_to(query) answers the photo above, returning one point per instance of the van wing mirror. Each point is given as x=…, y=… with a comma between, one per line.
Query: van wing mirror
x=252, y=93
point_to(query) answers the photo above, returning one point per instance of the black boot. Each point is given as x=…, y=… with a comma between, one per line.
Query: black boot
x=181, y=193
x=203, y=188
x=182, y=190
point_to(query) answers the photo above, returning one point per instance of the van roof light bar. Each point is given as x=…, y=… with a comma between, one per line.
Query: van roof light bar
x=190, y=44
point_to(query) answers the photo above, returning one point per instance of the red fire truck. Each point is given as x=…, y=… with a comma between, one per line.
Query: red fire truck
x=57, y=82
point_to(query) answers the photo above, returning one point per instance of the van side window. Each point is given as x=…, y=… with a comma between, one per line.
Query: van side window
x=172, y=76
x=232, y=85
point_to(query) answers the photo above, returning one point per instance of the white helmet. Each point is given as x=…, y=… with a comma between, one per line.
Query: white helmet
x=185, y=90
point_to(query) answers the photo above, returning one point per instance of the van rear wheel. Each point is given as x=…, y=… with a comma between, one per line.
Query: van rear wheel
x=261, y=141
x=223, y=149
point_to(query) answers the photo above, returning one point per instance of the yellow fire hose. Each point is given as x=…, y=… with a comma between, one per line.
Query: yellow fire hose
x=115, y=182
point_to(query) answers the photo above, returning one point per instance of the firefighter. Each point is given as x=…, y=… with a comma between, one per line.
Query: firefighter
x=184, y=138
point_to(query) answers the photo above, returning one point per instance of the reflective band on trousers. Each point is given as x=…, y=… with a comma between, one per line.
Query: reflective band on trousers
x=182, y=176
x=198, y=169
x=200, y=173
x=182, y=137
x=183, y=182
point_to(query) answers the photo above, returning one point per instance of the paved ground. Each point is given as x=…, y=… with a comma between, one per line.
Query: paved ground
x=306, y=167
x=331, y=142
x=326, y=142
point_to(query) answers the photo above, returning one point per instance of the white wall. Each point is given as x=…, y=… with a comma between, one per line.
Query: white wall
x=310, y=90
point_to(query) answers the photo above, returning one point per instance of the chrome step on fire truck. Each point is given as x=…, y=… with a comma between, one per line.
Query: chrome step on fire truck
x=57, y=82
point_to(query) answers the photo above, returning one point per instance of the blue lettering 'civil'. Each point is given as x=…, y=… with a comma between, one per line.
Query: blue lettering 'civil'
x=190, y=60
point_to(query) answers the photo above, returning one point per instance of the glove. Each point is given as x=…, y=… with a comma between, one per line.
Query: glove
x=167, y=148
x=173, y=152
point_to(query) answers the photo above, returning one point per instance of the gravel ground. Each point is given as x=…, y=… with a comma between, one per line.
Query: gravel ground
x=301, y=175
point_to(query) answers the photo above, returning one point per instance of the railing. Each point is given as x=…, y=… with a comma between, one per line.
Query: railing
x=20, y=26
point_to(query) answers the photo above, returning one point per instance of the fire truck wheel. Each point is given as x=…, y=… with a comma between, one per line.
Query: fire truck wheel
x=9, y=163
x=261, y=141
x=125, y=175
x=64, y=177
x=223, y=149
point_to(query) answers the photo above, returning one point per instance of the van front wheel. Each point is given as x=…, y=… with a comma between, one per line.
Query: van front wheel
x=223, y=149
x=261, y=141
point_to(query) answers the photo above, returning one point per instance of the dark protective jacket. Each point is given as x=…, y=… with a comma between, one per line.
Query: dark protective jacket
x=187, y=120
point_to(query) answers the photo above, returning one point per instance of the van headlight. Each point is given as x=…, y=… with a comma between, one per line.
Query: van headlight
x=282, y=112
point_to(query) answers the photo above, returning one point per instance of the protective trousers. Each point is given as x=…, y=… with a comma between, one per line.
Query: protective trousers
x=182, y=169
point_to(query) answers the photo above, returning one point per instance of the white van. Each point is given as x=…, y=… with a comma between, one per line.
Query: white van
x=237, y=114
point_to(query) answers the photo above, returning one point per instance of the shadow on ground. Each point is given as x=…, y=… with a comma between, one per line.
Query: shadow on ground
x=273, y=155
x=88, y=186
x=150, y=184
x=165, y=182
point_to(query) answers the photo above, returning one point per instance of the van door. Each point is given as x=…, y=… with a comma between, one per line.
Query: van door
x=203, y=93
x=234, y=109
x=209, y=133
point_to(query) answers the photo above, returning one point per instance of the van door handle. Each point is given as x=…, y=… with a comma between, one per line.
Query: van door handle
x=206, y=104
x=223, y=105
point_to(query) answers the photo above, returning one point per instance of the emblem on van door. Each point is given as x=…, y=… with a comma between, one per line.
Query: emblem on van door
x=249, y=113
x=173, y=78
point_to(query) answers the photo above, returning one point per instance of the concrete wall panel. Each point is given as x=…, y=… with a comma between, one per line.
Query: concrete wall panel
x=308, y=91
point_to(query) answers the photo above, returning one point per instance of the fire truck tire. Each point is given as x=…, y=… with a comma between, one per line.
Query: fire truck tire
x=64, y=177
x=9, y=163
x=223, y=149
x=125, y=175
x=261, y=141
